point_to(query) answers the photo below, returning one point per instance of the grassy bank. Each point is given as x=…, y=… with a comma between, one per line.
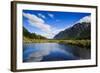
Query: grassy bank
x=80, y=43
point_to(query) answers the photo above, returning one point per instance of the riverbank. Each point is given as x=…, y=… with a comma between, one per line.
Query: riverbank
x=80, y=43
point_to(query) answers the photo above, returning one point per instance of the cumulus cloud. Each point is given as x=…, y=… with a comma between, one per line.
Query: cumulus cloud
x=39, y=54
x=43, y=50
x=85, y=19
x=41, y=15
x=51, y=15
x=38, y=22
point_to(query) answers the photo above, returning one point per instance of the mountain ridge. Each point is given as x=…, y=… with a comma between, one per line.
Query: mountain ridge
x=80, y=30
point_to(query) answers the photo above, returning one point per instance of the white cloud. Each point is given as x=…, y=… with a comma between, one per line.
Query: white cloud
x=33, y=18
x=51, y=15
x=37, y=22
x=41, y=15
x=56, y=31
x=85, y=19
x=38, y=55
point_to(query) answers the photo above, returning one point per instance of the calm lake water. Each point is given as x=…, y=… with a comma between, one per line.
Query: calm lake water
x=39, y=52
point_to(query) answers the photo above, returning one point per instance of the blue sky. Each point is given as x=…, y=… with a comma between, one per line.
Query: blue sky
x=49, y=23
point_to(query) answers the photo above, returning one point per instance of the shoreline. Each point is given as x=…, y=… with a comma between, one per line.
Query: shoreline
x=80, y=43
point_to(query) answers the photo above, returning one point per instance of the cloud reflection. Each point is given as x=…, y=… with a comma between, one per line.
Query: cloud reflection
x=44, y=50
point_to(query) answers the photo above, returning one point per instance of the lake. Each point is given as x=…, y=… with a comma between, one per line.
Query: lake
x=39, y=52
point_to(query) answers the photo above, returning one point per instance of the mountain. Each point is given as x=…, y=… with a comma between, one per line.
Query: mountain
x=27, y=34
x=80, y=30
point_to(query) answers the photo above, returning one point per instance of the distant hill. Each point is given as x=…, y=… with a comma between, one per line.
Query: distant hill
x=27, y=34
x=80, y=30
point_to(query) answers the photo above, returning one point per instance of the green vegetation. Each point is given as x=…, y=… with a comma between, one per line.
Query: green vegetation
x=34, y=38
x=27, y=34
x=81, y=43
